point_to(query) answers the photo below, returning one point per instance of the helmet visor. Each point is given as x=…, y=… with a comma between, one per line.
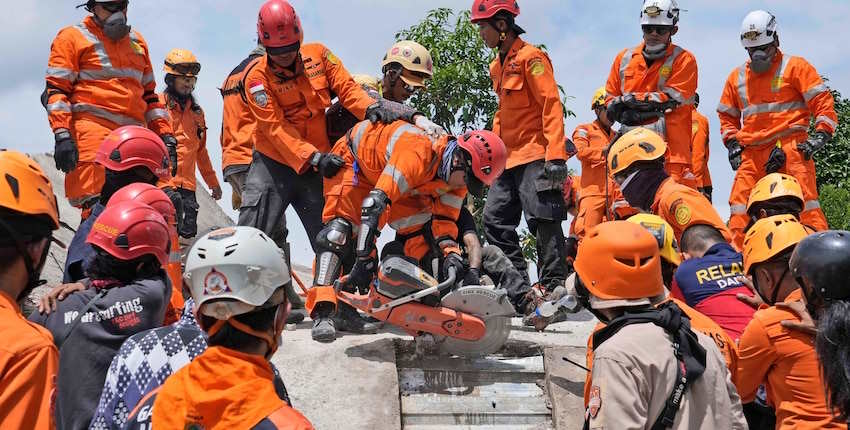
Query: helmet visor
x=186, y=69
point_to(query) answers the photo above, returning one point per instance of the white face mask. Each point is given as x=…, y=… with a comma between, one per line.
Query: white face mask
x=115, y=27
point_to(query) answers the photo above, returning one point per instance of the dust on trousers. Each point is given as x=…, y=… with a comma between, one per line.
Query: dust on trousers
x=526, y=189
x=270, y=188
x=237, y=183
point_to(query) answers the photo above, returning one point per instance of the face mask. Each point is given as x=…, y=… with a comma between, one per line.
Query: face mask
x=639, y=188
x=760, y=61
x=115, y=27
x=654, y=52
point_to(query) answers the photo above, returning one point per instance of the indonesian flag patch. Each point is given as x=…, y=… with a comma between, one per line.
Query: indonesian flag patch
x=258, y=93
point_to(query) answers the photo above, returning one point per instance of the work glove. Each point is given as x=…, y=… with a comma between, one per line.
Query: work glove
x=813, y=144
x=216, y=193
x=327, y=164
x=177, y=201
x=382, y=112
x=431, y=128
x=706, y=191
x=570, y=147
x=556, y=170
x=456, y=261
x=472, y=276
x=171, y=145
x=735, y=151
x=362, y=273
x=775, y=161
x=65, y=153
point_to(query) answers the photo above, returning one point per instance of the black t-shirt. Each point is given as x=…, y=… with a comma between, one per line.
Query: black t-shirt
x=465, y=224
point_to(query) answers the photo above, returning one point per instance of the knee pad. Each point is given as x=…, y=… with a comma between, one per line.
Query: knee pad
x=333, y=244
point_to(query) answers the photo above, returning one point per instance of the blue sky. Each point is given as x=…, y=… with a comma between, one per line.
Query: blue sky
x=582, y=37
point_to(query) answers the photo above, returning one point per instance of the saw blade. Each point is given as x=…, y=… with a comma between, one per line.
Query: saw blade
x=493, y=307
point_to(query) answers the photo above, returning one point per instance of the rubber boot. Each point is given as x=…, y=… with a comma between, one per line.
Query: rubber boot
x=348, y=319
x=324, y=328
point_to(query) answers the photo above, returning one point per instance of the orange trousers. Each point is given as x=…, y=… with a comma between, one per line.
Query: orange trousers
x=753, y=160
x=682, y=173
x=174, y=269
x=83, y=184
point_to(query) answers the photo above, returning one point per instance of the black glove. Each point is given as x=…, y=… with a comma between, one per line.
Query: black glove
x=65, y=153
x=735, y=151
x=456, y=261
x=327, y=164
x=570, y=147
x=706, y=191
x=382, y=112
x=362, y=273
x=775, y=161
x=171, y=145
x=813, y=144
x=472, y=276
x=177, y=201
x=556, y=170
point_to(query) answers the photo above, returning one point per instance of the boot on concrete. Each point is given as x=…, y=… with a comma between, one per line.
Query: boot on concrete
x=348, y=319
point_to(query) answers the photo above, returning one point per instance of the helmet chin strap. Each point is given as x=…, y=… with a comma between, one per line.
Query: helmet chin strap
x=272, y=341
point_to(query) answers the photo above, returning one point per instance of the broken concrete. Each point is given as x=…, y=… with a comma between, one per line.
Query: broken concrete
x=565, y=385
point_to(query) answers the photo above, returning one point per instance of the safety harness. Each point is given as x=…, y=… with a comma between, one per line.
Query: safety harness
x=690, y=355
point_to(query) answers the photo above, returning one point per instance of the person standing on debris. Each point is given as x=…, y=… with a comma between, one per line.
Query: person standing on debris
x=636, y=163
x=190, y=128
x=236, y=276
x=530, y=121
x=764, y=113
x=29, y=360
x=128, y=155
x=99, y=77
x=395, y=174
x=655, y=73
x=650, y=369
x=769, y=353
x=126, y=292
x=700, y=151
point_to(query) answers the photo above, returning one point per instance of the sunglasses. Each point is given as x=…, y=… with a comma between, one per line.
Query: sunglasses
x=661, y=30
x=185, y=68
x=116, y=6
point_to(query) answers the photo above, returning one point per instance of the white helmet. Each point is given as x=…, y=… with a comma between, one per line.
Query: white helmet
x=659, y=12
x=758, y=29
x=235, y=270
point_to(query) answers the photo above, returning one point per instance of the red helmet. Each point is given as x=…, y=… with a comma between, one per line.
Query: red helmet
x=129, y=230
x=487, y=154
x=149, y=195
x=486, y=9
x=278, y=25
x=133, y=146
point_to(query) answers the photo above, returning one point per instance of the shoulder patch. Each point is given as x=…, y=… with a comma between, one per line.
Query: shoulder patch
x=536, y=67
x=682, y=213
x=595, y=402
x=333, y=59
x=258, y=93
x=137, y=47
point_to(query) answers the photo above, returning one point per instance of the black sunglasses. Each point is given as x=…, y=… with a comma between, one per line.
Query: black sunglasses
x=661, y=30
x=115, y=6
x=186, y=68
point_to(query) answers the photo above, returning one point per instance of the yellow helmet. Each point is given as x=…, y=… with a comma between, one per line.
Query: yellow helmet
x=663, y=233
x=599, y=97
x=640, y=144
x=414, y=59
x=181, y=62
x=366, y=81
x=774, y=186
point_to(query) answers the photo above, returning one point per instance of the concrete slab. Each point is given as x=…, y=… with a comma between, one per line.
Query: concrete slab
x=565, y=385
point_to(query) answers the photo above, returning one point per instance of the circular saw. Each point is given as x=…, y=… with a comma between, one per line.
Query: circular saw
x=491, y=306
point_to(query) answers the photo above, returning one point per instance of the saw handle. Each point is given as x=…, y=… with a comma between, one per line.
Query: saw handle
x=450, y=280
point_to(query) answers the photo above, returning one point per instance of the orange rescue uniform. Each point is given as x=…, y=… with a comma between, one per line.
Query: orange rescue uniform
x=190, y=130
x=774, y=108
x=700, y=149
x=289, y=109
x=223, y=389
x=237, y=125
x=400, y=160
x=530, y=119
x=595, y=191
x=95, y=85
x=673, y=76
x=786, y=362
x=699, y=322
x=29, y=363
x=683, y=207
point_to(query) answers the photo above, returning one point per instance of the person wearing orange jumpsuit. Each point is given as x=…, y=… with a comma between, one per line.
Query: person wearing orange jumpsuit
x=190, y=128
x=700, y=151
x=530, y=120
x=395, y=174
x=764, y=113
x=99, y=77
x=782, y=359
x=29, y=361
x=657, y=72
x=636, y=163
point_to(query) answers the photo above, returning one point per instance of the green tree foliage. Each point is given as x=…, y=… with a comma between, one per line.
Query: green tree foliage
x=835, y=203
x=460, y=96
x=833, y=169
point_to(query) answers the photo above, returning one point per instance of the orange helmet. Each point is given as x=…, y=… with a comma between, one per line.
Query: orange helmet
x=620, y=265
x=770, y=237
x=637, y=145
x=181, y=62
x=24, y=187
x=774, y=186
